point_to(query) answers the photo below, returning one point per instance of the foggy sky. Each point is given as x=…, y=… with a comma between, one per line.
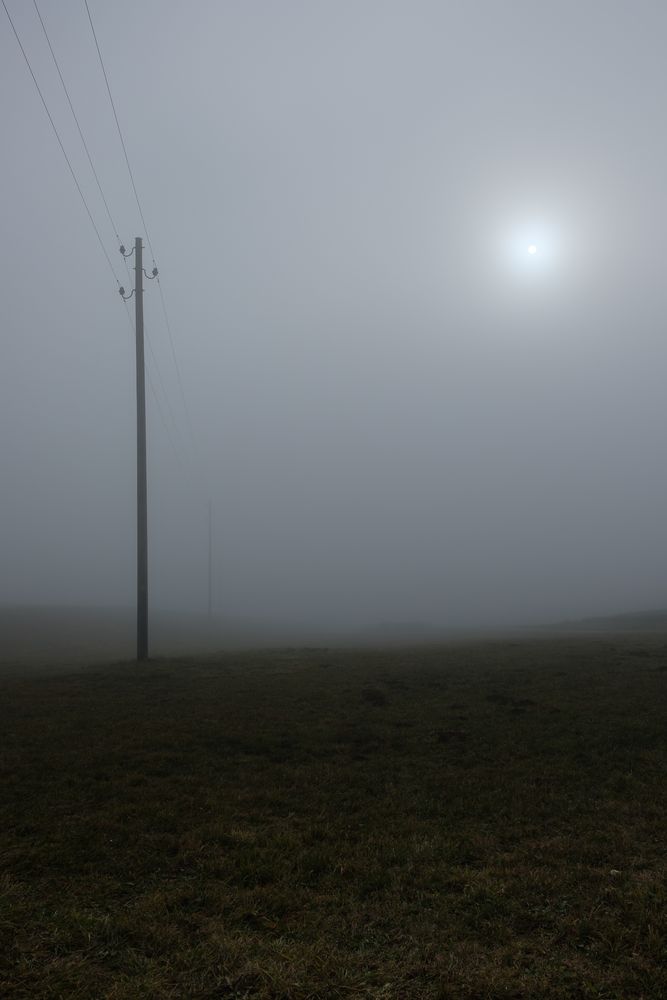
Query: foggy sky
x=394, y=416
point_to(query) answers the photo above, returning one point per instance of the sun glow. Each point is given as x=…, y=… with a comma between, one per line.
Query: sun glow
x=532, y=249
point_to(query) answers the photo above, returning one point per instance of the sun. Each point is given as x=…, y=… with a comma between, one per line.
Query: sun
x=532, y=249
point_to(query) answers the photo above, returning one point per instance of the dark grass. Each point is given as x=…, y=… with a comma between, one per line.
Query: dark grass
x=470, y=821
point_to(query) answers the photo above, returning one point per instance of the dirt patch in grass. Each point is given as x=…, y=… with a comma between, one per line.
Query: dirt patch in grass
x=468, y=821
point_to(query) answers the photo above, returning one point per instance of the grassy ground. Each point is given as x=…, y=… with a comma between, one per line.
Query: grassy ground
x=470, y=821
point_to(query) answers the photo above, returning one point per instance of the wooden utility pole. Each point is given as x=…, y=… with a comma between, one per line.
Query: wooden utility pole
x=142, y=489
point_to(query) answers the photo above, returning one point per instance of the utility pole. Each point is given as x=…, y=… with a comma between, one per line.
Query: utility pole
x=210, y=560
x=142, y=489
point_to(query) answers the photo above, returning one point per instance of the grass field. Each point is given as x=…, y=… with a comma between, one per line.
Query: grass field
x=478, y=820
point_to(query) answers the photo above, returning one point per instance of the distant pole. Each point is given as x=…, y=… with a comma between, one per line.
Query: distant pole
x=210, y=560
x=142, y=491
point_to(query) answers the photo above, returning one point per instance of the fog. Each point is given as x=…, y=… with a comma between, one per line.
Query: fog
x=396, y=412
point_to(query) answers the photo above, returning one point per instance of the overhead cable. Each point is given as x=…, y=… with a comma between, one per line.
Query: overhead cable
x=152, y=387
x=176, y=364
x=120, y=131
x=85, y=144
x=141, y=214
x=60, y=143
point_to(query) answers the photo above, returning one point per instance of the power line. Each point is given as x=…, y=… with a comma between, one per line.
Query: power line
x=162, y=418
x=69, y=101
x=176, y=364
x=153, y=355
x=120, y=133
x=97, y=233
x=161, y=382
x=60, y=143
x=136, y=195
x=152, y=387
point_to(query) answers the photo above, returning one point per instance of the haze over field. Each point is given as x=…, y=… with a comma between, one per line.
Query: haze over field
x=397, y=411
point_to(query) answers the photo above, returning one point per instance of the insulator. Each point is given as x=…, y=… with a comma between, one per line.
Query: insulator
x=121, y=290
